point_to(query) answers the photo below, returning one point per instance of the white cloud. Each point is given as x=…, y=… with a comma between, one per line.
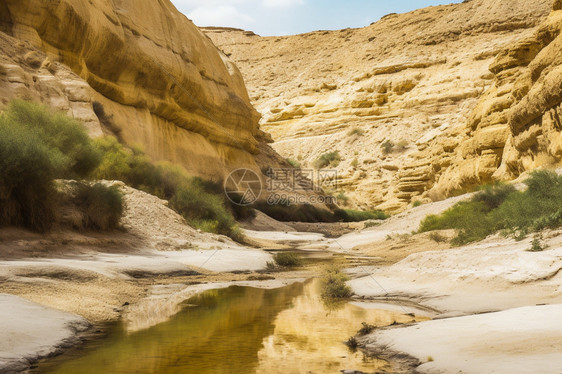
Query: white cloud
x=281, y=3
x=220, y=15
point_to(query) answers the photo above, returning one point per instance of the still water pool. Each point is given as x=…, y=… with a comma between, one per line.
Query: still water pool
x=233, y=331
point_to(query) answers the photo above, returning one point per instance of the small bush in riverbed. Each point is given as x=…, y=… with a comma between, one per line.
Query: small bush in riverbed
x=286, y=259
x=333, y=284
x=356, y=131
x=352, y=343
x=537, y=245
x=371, y=224
x=365, y=329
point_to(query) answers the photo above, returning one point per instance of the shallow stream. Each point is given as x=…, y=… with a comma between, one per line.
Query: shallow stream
x=237, y=330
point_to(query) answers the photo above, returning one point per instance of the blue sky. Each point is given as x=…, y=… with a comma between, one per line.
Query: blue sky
x=284, y=17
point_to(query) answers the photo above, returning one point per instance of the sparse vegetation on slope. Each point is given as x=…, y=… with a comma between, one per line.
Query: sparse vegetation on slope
x=199, y=202
x=503, y=208
x=38, y=146
x=327, y=159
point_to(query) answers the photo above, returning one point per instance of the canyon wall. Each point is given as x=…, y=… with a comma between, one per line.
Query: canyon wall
x=138, y=69
x=418, y=105
x=516, y=125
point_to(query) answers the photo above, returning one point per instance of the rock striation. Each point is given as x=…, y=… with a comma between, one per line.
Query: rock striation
x=138, y=69
x=516, y=125
x=416, y=104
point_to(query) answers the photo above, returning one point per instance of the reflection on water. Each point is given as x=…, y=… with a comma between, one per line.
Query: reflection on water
x=236, y=330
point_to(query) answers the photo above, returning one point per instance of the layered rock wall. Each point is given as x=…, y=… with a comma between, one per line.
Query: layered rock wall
x=162, y=82
x=515, y=126
x=410, y=80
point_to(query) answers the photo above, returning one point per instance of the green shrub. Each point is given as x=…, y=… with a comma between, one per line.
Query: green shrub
x=102, y=206
x=387, y=147
x=286, y=259
x=365, y=329
x=356, y=131
x=438, y=238
x=36, y=147
x=349, y=215
x=203, y=210
x=27, y=170
x=352, y=343
x=537, y=245
x=333, y=284
x=294, y=163
x=327, y=159
x=355, y=163
x=202, y=204
x=58, y=132
x=417, y=203
x=342, y=198
x=370, y=224
x=502, y=207
x=494, y=195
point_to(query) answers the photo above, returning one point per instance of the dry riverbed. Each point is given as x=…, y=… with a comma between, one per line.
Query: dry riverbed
x=486, y=299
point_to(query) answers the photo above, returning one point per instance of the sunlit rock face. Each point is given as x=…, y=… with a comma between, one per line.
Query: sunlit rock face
x=417, y=80
x=516, y=126
x=161, y=82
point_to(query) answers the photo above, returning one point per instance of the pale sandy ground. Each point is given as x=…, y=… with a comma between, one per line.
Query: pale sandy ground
x=493, y=275
x=497, y=275
x=30, y=330
x=515, y=341
x=429, y=279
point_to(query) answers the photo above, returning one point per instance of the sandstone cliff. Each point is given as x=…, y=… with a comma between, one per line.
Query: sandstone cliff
x=157, y=80
x=420, y=81
x=516, y=126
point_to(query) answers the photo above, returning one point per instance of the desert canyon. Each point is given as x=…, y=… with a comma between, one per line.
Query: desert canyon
x=422, y=113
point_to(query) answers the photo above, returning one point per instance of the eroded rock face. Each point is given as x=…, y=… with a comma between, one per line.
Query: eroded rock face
x=420, y=80
x=164, y=84
x=26, y=73
x=516, y=125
